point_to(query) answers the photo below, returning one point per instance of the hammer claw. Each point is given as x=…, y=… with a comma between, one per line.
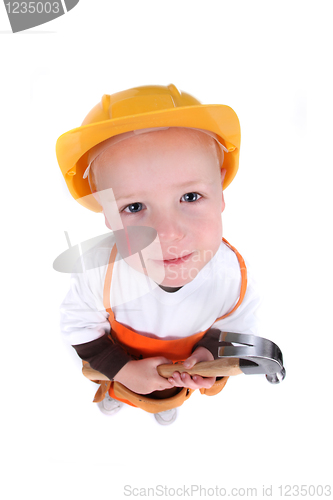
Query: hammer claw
x=256, y=355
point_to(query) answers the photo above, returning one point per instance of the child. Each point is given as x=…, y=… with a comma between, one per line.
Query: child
x=155, y=161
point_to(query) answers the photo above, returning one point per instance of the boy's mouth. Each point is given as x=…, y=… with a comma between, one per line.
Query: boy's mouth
x=176, y=261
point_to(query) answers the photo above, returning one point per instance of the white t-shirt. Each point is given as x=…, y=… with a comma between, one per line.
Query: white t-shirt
x=140, y=304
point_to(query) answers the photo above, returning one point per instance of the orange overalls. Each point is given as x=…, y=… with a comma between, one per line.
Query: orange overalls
x=140, y=347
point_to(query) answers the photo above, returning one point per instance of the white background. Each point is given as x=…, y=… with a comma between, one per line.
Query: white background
x=263, y=59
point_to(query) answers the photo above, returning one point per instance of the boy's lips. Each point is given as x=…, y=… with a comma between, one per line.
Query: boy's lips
x=174, y=261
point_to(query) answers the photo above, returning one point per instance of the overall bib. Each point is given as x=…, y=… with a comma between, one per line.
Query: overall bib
x=140, y=347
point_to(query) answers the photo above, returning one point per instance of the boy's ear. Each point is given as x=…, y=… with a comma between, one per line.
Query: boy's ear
x=223, y=172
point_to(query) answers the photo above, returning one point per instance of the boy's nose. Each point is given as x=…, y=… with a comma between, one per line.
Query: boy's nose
x=169, y=227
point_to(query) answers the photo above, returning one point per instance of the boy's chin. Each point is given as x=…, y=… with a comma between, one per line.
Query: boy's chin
x=175, y=276
x=167, y=276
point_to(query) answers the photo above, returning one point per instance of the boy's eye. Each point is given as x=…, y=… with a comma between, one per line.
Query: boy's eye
x=190, y=197
x=133, y=208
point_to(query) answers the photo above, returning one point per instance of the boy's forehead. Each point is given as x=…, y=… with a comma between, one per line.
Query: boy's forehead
x=163, y=157
x=179, y=138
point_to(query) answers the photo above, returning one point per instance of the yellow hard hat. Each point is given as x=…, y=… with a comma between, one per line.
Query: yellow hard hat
x=141, y=108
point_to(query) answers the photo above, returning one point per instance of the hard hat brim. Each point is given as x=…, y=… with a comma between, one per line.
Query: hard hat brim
x=72, y=147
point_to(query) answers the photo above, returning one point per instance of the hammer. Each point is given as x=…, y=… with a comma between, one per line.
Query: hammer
x=253, y=355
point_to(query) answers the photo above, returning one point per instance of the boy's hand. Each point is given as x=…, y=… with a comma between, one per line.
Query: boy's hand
x=194, y=382
x=142, y=377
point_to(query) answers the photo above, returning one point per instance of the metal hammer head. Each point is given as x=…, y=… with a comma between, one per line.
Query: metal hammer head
x=256, y=355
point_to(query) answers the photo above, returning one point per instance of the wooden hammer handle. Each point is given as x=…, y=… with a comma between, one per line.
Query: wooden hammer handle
x=222, y=367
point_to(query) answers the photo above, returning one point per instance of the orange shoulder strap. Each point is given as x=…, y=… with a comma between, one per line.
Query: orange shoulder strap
x=107, y=283
x=243, y=271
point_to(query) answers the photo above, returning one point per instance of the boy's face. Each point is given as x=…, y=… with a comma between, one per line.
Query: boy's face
x=169, y=180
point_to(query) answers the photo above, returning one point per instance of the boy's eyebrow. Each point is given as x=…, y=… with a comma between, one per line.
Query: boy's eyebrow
x=183, y=185
x=128, y=196
x=195, y=182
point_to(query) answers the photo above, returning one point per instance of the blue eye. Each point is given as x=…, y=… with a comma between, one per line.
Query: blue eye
x=190, y=197
x=133, y=208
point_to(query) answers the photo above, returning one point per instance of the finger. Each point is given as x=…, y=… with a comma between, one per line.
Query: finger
x=176, y=380
x=187, y=381
x=196, y=382
x=203, y=382
x=190, y=362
